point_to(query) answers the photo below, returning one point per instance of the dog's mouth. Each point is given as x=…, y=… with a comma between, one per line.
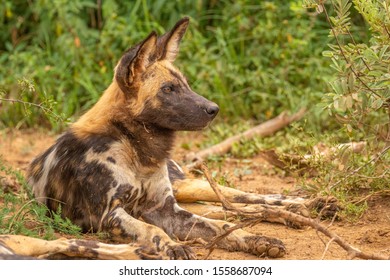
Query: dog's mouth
x=200, y=127
x=197, y=128
x=209, y=115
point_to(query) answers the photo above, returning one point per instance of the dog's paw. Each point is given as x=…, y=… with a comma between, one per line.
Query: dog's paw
x=179, y=252
x=147, y=253
x=263, y=246
x=299, y=209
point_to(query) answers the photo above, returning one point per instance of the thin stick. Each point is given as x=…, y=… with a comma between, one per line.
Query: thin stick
x=211, y=245
x=30, y=104
x=326, y=248
x=264, y=129
x=353, y=172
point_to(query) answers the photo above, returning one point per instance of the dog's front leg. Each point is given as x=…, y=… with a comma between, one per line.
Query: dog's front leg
x=184, y=225
x=124, y=227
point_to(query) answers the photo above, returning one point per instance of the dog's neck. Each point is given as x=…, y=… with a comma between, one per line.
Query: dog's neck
x=151, y=143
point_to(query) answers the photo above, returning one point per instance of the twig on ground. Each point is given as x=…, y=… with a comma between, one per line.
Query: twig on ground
x=268, y=212
x=264, y=129
x=302, y=164
x=211, y=245
x=327, y=248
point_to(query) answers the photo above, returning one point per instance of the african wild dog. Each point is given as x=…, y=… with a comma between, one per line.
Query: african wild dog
x=112, y=166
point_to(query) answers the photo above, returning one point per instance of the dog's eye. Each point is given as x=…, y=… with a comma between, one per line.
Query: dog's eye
x=167, y=89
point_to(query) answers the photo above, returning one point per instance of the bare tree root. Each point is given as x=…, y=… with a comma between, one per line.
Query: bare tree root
x=266, y=214
x=264, y=129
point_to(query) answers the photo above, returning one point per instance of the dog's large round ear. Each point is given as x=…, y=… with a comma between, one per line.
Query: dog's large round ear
x=171, y=48
x=134, y=62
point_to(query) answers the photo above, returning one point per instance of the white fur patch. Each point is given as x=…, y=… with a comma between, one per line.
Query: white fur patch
x=39, y=186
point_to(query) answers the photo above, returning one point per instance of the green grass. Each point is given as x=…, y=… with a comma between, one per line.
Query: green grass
x=21, y=214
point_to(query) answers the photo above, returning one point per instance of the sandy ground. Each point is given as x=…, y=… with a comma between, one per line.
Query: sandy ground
x=371, y=233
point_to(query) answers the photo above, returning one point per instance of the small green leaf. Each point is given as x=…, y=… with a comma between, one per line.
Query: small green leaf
x=375, y=73
x=355, y=96
x=342, y=103
x=327, y=53
x=351, y=82
x=378, y=103
x=336, y=104
x=349, y=102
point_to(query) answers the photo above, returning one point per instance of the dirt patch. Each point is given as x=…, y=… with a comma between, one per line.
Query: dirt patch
x=371, y=233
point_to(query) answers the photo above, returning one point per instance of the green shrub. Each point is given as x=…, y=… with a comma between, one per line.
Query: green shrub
x=360, y=97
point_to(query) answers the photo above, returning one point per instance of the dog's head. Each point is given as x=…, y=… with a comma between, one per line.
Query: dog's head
x=156, y=91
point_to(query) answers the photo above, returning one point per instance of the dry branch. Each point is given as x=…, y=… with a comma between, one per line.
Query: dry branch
x=292, y=217
x=302, y=164
x=193, y=190
x=18, y=247
x=215, y=211
x=264, y=129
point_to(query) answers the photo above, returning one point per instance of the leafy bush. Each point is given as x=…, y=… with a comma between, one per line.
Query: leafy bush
x=255, y=60
x=360, y=96
x=361, y=92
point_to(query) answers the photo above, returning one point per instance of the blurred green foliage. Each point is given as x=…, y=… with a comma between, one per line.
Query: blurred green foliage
x=254, y=58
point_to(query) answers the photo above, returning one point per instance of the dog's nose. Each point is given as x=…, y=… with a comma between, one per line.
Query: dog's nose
x=212, y=110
